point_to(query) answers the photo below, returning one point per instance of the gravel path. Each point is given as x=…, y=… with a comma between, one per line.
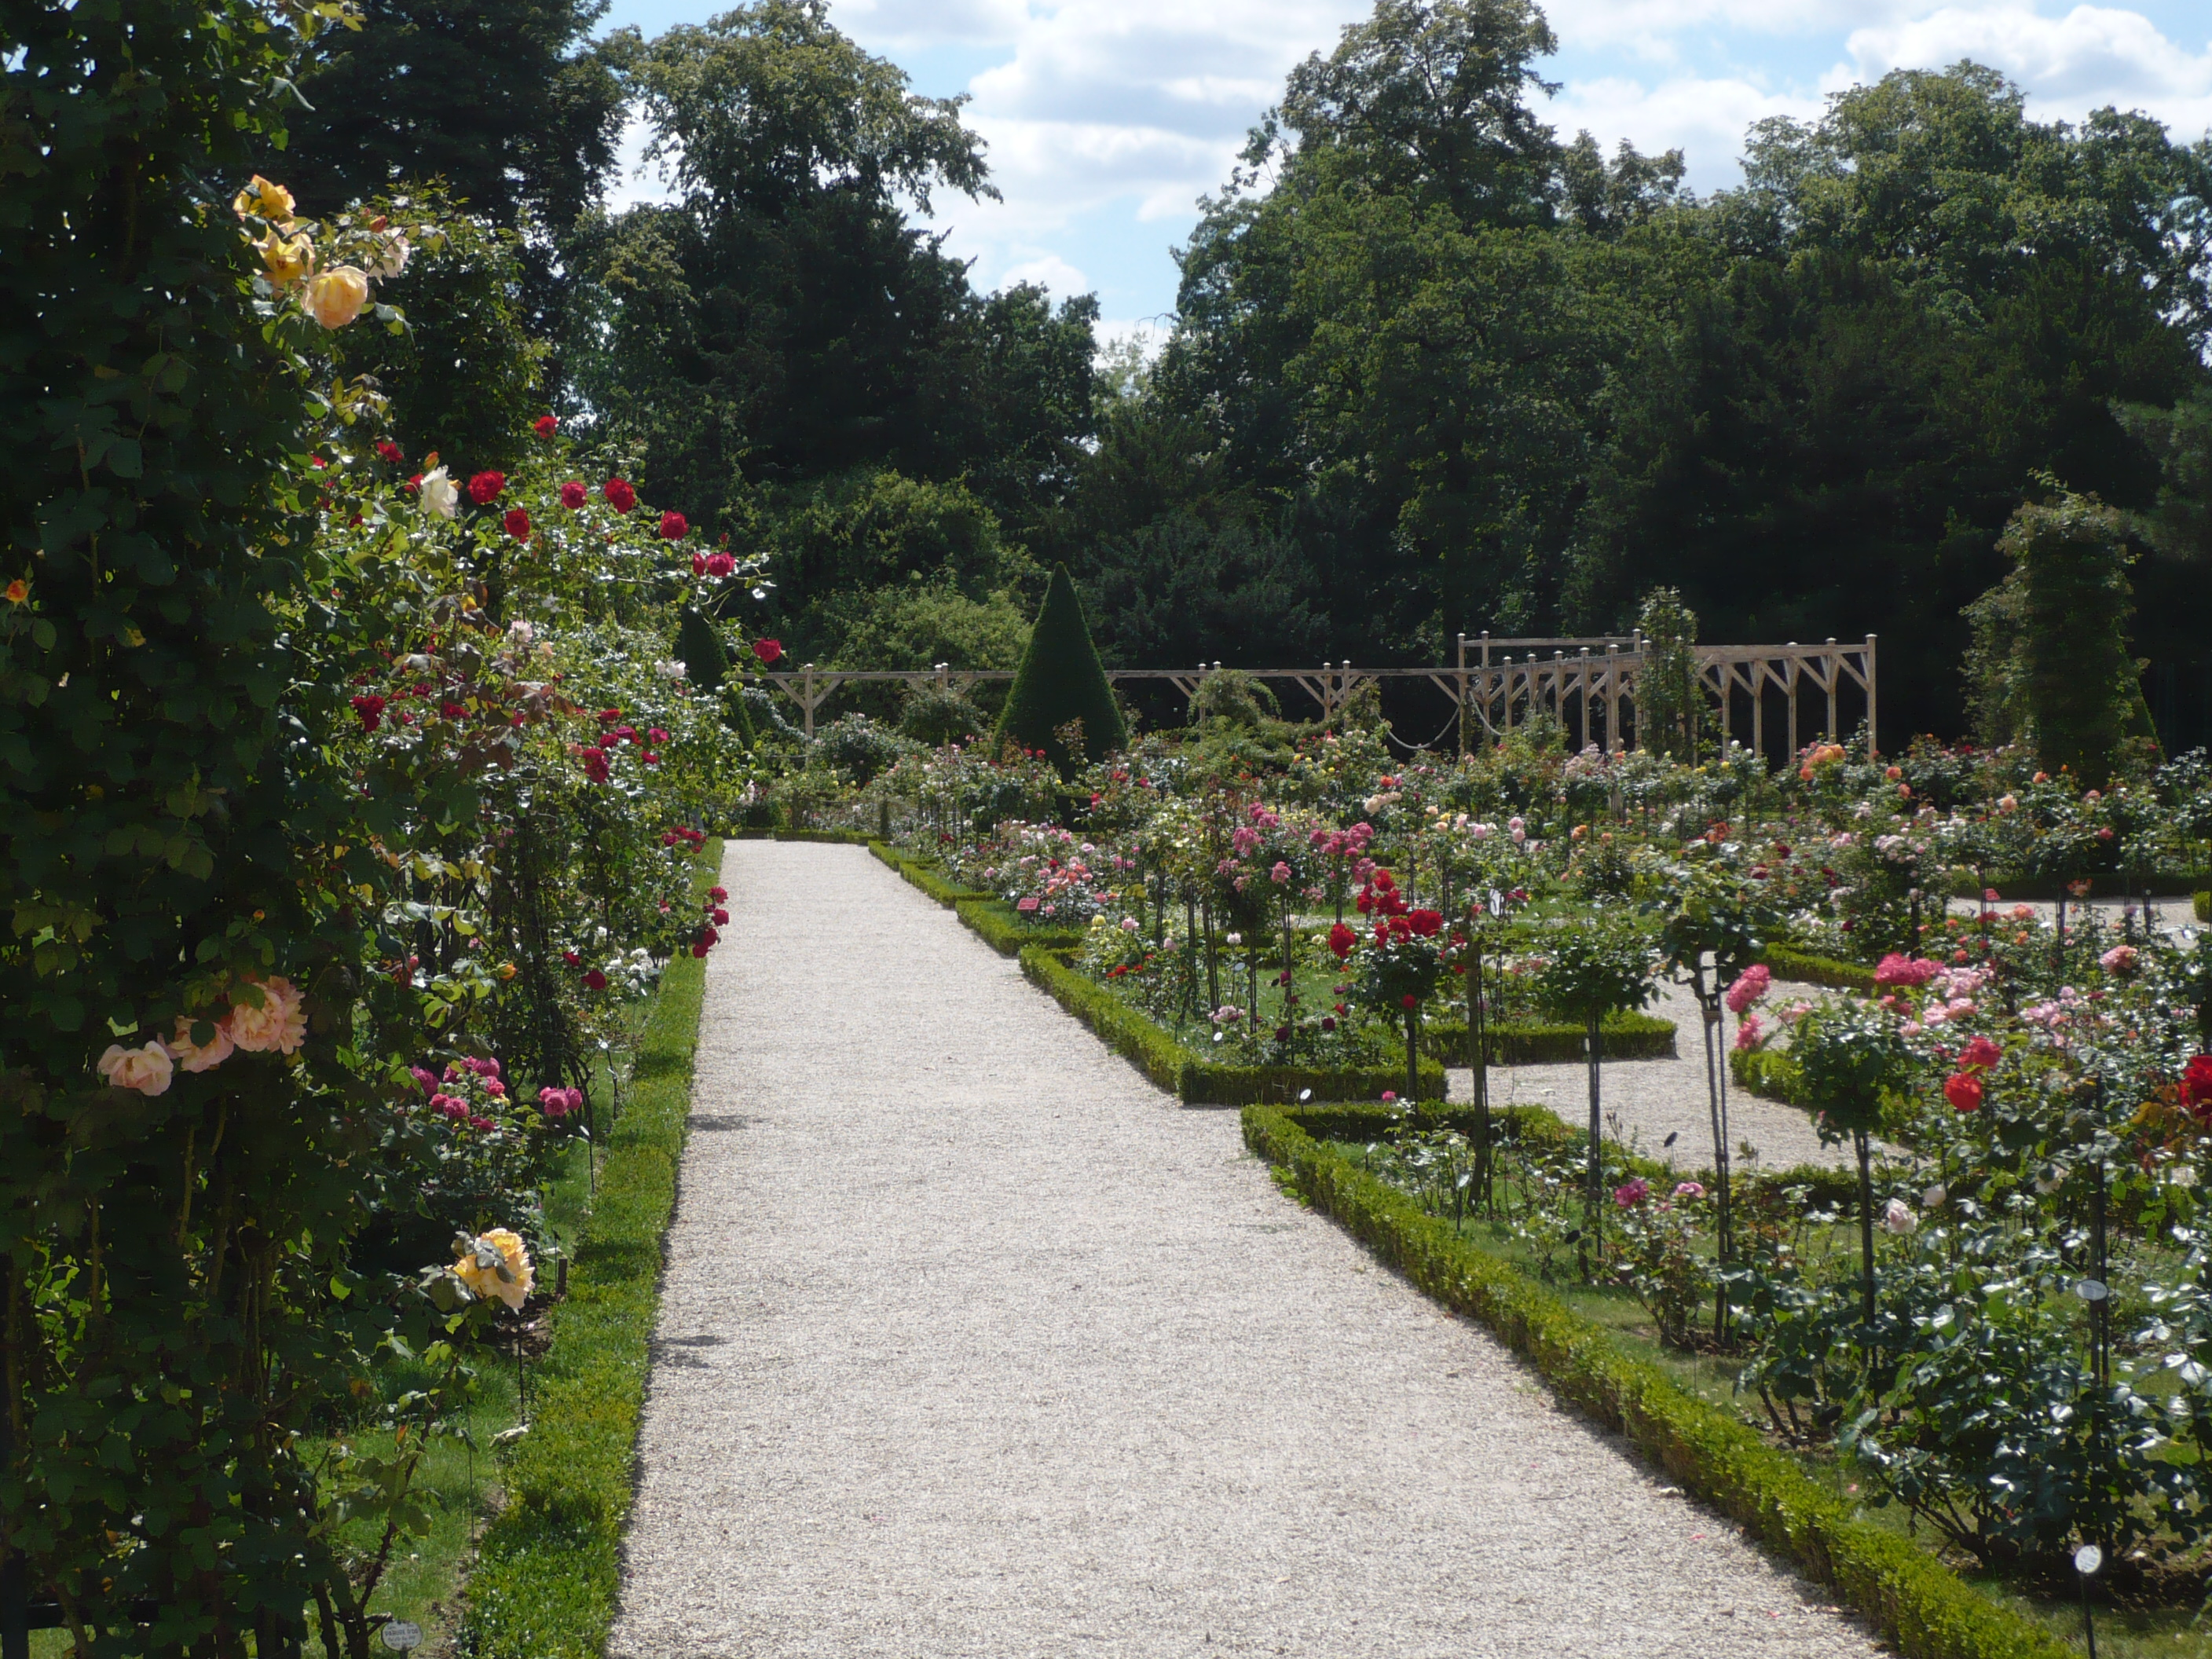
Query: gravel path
x=1652, y=1099
x=975, y=1343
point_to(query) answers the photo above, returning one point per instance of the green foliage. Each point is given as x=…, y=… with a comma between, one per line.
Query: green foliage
x=463, y=380
x=508, y=107
x=1669, y=694
x=1599, y=963
x=778, y=322
x=1061, y=679
x=548, y=1570
x=699, y=648
x=2050, y=665
x=1808, y=969
x=1234, y=696
x=938, y=715
x=1915, y=1602
x=1533, y=1043
x=1848, y=1055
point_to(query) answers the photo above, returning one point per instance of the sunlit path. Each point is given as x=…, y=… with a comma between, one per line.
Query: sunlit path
x=975, y=1343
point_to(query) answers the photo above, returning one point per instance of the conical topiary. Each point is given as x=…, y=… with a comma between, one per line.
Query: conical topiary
x=1061, y=679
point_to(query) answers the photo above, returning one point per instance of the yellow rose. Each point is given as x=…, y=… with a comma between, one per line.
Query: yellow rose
x=288, y=259
x=262, y=199
x=336, y=297
x=495, y=1265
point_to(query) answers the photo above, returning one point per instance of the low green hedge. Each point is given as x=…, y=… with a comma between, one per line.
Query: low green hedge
x=1533, y=1042
x=1926, y=1610
x=1005, y=929
x=1192, y=1076
x=1769, y=1074
x=548, y=1569
x=926, y=874
x=1806, y=969
x=2202, y=904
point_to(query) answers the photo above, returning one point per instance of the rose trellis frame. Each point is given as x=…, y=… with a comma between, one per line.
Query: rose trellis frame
x=1587, y=684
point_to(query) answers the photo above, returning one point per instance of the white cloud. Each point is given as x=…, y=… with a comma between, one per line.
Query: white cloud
x=1046, y=270
x=1706, y=119
x=2091, y=56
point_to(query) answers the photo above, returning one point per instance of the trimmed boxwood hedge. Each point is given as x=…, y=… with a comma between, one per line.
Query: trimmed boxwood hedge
x=990, y=917
x=926, y=874
x=1806, y=969
x=1768, y=1072
x=549, y=1568
x=2202, y=904
x=1533, y=1042
x=1926, y=1610
x=1192, y=1076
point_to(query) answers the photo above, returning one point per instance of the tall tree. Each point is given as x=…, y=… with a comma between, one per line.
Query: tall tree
x=781, y=322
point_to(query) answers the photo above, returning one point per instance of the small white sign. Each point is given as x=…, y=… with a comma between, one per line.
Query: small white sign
x=402, y=1634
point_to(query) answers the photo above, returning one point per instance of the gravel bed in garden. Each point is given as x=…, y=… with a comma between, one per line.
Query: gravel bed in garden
x=1652, y=1099
x=975, y=1343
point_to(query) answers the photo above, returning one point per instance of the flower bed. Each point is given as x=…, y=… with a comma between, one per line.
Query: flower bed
x=1193, y=1077
x=1916, y=1603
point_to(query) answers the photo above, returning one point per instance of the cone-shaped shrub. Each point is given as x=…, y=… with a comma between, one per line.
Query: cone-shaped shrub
x=1061, y=679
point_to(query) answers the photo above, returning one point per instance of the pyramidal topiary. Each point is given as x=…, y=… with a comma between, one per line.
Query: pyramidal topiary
x=1061, y=679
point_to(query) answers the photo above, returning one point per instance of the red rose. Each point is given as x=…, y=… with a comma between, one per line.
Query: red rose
x=1424, y=923
x=573, y=493
x=414, y=485
x=1341, y=939
x=718, y=894
x=371, y=710
x=672, y=526
x=768, y=650
x=1410, y=1001
x=388, y=453
x=518, y=523
x=699, y=949
x=698, y=564
x=570, y=958
x=595, y=764
x=1964, y=1090
x=650, y=758
x=485, y=488
x=595, y=979
x=1980, y=1054
x=721, y=564
x=620, y=496
x=453, y=711
x=655, y=734
x=720, y=918
x=2196, y=1085
x=607, y=716
x=546, y=425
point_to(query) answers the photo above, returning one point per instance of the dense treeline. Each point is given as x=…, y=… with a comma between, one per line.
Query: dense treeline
x=1434, y=369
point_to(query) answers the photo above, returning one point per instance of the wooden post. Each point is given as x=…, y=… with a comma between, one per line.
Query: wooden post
x=1790, y=747
x=1835, y=667
x=1872, y=750
x=1462, y=662
x=806, y=703
x=1759, y=709
x=1613, y=698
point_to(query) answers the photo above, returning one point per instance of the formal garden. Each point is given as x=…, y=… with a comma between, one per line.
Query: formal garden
x=378, y=738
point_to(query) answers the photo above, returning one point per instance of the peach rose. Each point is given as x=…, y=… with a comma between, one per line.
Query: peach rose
x=200, y=1057
x=262, y=199
x=335, y=298
x=277, y=1026
x=288, y=259
x=148, y=1070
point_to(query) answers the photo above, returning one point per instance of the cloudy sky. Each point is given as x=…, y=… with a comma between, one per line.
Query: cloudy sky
x=1106, y=119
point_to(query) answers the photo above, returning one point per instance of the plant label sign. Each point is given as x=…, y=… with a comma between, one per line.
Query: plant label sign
x=401, y=1634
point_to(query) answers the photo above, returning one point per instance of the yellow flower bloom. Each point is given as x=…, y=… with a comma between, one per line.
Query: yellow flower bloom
x=18, y=591
x=262, y=199
x=495, y=1266
x=335, y=298
x=289, y=258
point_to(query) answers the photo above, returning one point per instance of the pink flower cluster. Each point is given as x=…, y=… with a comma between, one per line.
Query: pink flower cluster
x=1750, y=986
x=270, y=1019
x=1913, y=972
x=561, y=1103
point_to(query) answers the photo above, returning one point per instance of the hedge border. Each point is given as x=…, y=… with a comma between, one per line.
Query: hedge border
x=1531, y=1043
x=1806, y=969
x=1915, y=1602
x=2201, y=903
x=1191, y=1077
x=548, y=1571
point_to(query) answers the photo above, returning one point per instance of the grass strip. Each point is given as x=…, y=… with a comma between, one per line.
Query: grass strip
x=1916, y=1602
x=548, y=1570
x=1197, y=1079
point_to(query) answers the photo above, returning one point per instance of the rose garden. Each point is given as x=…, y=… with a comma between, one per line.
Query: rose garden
x=517, y=1138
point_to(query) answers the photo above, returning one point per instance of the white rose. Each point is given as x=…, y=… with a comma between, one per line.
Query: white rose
x=440, y=494
x=148, y=1070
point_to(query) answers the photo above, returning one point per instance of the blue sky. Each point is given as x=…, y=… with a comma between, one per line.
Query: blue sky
x=1106, y=119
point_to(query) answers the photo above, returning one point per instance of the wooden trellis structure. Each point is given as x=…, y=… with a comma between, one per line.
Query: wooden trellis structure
x=1588, y=684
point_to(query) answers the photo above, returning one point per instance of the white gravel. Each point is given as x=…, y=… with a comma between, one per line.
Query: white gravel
x=1644, y=1100
x=975, y=1343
